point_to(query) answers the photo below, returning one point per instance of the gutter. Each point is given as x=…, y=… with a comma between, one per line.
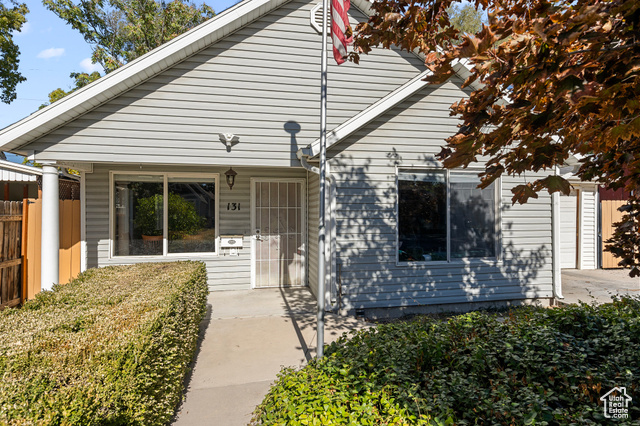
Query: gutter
x=302, y=156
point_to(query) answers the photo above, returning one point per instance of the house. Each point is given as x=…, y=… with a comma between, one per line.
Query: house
x=20, y=181
x=205, y=149
x=587, y=216
x=579, y=221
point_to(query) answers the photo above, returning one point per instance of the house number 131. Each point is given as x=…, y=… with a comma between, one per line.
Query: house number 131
x=233, y=206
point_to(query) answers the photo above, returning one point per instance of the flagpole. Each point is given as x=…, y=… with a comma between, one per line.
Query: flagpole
x=323, y=155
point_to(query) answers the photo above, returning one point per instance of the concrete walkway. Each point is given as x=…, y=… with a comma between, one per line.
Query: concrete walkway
x=597, y=285
x=247, y=337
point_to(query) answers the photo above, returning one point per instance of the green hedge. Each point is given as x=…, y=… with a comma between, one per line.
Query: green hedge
x=110, y=348
x=530, y=366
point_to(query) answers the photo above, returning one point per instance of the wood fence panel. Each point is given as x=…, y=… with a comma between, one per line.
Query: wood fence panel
x=75, y=240
x=69, y=263
x=610, y=215
x=10, y=253
x=69, y=240
x=64, y=269
x=33, y=241
x=23, y=249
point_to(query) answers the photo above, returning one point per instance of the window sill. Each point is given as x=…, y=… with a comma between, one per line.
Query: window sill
x=168, y=257
x=489, y=261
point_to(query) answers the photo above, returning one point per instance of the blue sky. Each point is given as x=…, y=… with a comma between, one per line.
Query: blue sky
x=49, y=51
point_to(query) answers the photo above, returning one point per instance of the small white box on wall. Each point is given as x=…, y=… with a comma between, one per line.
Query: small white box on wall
x=231, y=241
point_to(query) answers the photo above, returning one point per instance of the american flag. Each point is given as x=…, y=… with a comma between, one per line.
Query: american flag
x=341, y=34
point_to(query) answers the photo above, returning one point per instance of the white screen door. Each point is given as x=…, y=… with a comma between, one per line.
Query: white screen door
x=279, y=243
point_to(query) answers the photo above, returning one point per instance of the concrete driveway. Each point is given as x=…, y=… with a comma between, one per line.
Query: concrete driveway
x=247, y=337
x=598, y=285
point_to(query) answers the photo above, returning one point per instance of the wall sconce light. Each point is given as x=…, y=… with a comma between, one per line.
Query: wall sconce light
x=229, y=139
x=231, y=177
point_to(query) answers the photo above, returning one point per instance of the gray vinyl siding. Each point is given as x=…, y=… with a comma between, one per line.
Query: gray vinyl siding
x=225, y=272
x=251, y=84
x=313, y=214
x=364, y=166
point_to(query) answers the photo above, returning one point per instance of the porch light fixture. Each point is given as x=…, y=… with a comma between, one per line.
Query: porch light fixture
x=231, y=177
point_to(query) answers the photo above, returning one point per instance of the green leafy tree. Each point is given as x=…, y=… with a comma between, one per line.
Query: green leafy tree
x=558, y=78
x=12, y=17
x=81, y=79
x=465, y=18
x=119, y=31
x=183, y=217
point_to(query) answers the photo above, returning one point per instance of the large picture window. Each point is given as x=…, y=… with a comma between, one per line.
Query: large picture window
x=444, y=216
x=157, y=214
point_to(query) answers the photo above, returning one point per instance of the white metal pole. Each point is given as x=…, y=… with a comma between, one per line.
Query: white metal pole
x=50, y=246
x=323, y=155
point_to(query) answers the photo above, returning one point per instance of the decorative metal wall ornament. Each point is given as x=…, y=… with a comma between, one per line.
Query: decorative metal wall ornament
x=231, y=177
x=229, y=139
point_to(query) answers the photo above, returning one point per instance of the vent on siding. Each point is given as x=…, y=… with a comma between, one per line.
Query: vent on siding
x=316, y=18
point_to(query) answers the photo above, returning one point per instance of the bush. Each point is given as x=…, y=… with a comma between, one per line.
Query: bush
x=532, y=366
x=110, y=348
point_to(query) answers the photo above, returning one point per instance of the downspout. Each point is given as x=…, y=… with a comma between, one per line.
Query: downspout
x=555, y=242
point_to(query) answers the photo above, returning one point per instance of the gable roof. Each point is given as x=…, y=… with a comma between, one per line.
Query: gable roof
x=369, y=114
x=165, y=56
x=141, y=69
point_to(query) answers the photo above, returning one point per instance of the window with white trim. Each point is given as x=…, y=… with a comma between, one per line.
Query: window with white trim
x=163, y=214
x=444, y=216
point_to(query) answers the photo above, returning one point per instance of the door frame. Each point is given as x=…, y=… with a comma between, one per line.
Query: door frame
x=303, y=202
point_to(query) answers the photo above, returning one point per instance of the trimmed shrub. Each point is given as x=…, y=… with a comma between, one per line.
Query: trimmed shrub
x=531, y=366
x=110, y=348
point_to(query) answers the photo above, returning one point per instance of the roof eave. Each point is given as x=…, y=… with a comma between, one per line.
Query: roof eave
x=20, y=168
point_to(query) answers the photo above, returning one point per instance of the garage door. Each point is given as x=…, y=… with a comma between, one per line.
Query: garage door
x=568, y=230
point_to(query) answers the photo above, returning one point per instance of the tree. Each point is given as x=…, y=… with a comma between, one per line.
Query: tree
x=465, y=18
x=81, y=79
x=121, y=30
x=11, y=19
x=559, y=78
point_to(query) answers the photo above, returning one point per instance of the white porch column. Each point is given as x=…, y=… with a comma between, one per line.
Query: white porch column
x=50, y=257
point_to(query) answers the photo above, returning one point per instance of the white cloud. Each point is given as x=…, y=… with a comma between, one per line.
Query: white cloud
x=54, y=52
x=26, y=29
x=88, y=67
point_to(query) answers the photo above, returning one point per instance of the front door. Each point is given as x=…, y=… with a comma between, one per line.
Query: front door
x=279, y=246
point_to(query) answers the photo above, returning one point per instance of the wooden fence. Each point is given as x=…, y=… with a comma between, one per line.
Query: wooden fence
x=20, y=243
x=69, y=265
x=610, y=215
x=11, y=237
